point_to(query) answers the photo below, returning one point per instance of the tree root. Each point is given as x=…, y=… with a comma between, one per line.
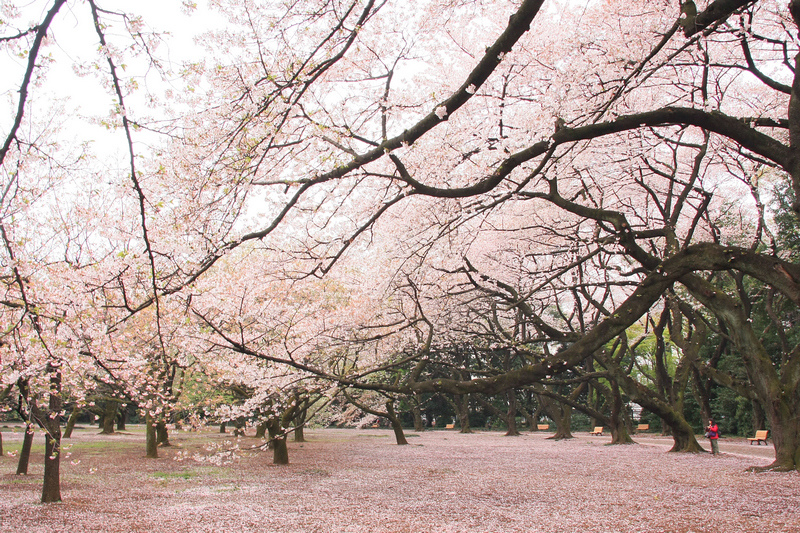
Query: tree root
x=774, y=467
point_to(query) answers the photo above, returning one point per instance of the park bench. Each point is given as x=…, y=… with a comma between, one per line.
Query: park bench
x=598, y=430
x=449, y=426
x=542, y=427
x=643, y=427
x=761, y=436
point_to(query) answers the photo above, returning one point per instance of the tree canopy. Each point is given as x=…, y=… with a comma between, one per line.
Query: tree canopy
x=463, y=197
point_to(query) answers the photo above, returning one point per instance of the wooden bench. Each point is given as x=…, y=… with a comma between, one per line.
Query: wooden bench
x=542, y=427
x=449, y=426
x=598, y=430
x=761, y=436
x=643, y=427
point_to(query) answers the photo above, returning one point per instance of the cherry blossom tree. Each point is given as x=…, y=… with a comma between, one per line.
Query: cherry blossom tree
x=601, y=141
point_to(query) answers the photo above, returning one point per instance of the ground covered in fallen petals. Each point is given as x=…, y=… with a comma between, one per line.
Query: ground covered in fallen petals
x=360, y=481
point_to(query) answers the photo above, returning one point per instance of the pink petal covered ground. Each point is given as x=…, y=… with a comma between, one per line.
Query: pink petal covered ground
x=359, y=481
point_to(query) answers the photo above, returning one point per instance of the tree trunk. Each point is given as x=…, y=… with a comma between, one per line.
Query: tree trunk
x=562, y=416
x=299, y=433
x=416, y=412
x=162, y=434
x=463, y=415
x=73, y=418
x=277, y=439
x=702, y=393
x=529, y=418
x=222, y=427
x=109, y=416
x=122, y=418
x=300, y=423
x=51, y=489
x=461, y=403
x=683, y=438
x=682, y=433
x=261, y=430
x=50, y=419
x=511, y=415
x=759, y=417
x=559, y=413
x=396, y=425
x=151, y=437
x=616, y=423
x=784, y=416
x=25, y=451
x=777, y=389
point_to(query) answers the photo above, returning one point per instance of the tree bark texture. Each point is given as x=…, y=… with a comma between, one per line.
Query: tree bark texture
x=397, y=426
x=110, y=409
x=277, y=439
x=71, y=421
x=151, y=439
x=25, y=451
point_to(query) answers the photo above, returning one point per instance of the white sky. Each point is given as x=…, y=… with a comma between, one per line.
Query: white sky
x=74, y=42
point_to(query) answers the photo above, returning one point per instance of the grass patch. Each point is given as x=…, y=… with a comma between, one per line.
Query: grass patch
x=174, y=475
x=319, y=472
x=105, y=445
x=16, y=447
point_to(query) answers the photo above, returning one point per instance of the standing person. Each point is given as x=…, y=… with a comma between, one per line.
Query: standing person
x=712, y=432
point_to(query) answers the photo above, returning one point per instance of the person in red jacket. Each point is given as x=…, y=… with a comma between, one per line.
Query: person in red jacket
x=712, y=432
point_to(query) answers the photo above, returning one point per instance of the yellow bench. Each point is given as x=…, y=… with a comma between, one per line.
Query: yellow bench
x=761, y=436
x=598, y=430
x=643, y=427
x=449, y=426
x=542, y=427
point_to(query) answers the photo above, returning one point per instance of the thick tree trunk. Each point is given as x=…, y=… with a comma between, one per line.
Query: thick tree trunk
x=51, y=489
x=759, y=417
x=616, y=423
x=280, y=451
x=559, y=413
x=50, y=420
x=162, y=434
x=122, y=418
x=222, y=427
x=261, y=430
x=562, y=416
x=151, y=442
x=683, y=437
x=416, y=412
x=73, y=418
x=784, y=416
x=619, y=432
x=682, y=433
x=462, y=412
x=109, y=417
x=511, y=415
x=701, y=394
x=529, y=419
x=277, y=439
x=25, y=451
x=396, y=425
x=300, y=423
